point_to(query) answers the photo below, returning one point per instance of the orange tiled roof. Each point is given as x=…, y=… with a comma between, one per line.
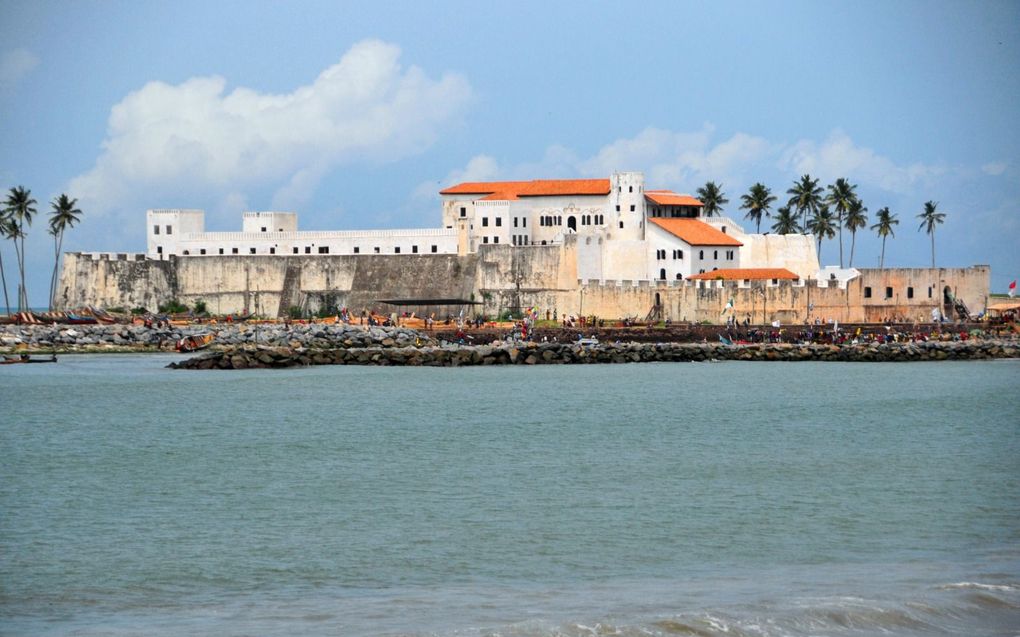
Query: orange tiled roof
x=503, y=190
x=670, y=198
x=694, y=232
x=754, y=274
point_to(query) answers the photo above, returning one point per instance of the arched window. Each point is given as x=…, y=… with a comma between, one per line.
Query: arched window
x=701, y=255
x=662, y=275
x=679, y=277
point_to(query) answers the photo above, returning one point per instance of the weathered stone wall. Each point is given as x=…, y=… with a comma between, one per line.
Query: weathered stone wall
x=502, y=277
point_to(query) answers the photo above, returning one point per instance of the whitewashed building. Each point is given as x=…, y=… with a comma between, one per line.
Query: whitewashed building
x=621, y=230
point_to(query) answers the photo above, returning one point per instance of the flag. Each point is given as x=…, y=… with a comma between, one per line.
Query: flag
x=729, y=306
x=1012, y=289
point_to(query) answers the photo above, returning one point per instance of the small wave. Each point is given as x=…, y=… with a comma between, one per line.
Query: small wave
x=1005, y=588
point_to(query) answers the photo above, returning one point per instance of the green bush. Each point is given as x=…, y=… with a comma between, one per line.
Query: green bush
x=294, y=312
x=173, y=306
x=137, y=311
x=200, y=307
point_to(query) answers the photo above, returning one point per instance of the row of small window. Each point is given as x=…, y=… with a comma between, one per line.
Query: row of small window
x=679, y=254
x=519, y=239
x=169, y=229
x=632, y=207
x=630, y=189
x=889, y=292
x=308, y=250
x=486, y=239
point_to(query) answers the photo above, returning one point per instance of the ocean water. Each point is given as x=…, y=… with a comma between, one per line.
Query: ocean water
x=655, y=499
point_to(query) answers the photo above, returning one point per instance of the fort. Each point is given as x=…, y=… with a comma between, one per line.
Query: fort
x=604, y=247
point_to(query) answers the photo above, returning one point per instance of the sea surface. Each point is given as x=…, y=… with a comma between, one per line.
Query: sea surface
x=649, y=499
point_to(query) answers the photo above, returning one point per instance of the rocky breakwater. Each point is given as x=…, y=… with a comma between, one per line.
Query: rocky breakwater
x=246, y=357
x=138, y=338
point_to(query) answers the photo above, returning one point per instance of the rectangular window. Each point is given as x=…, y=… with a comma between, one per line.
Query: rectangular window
x=263, y=228
x=910, y=292
x=155, y=229
x=396, y=250
x=272, y=250
x=617, y=208
x=524, y=222
x=499, y=221
x=495, y=239
x=631, y=188
x=308, y=249
x=463, y=211
x=485, y=222
x=515, y=222
x=295, y=249
x=435, y=248
x=323, y=249
x=357, y=249
x=169, y=230
x=376, y=249
x=775, y=281
x=414, y=249
x=233, y=251
x=221, y=250
x=929, y=291
x=201, y=251
x=159, y=249
x=867, y=292
x=888, y=293
x=621, y=225
x=715, y=254
x=485, y=239
x=632, y=208
x=251, y=250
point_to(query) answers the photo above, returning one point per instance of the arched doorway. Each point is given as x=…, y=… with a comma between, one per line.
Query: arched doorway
x=662, y=276
x=948, y=302
x=658, y=300
x=572, y=223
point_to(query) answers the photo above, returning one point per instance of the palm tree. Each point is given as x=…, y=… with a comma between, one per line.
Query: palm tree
x=63, y=215
x=4, y=232
x=786, y=221
x=886, y=220
x=823, y=226
x=20, y=206
x=840, y=198
x=757, y=202
x=712, y=196
x=855, y=219
x=929, y=219
x=805, y=197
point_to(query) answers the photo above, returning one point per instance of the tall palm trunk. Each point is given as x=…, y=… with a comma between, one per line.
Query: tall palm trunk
x=853, y=240
x=56, y=264
x=3, y=278
x=933, y=248
x=839, y=220
x=17, y=254
x=881, y=259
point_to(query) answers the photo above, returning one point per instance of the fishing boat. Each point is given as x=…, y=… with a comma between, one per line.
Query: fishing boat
x=194, y=342
x=25, y=358
x=80, y=319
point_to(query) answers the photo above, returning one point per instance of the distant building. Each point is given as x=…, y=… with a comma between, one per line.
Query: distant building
x=623, y=232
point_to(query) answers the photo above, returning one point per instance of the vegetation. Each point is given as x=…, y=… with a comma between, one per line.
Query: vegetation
x=200, y=307
x=886, y=220
x=20, y=207
x=137, y=311
x=856, y=218
x=805, y=197
x=786, y=222
x=295, y=312
x=930, y=218
x=823, y=226
x=63, y=215
x=841, y=197
x=712, y=196
x=757, y=202
x=173, y=306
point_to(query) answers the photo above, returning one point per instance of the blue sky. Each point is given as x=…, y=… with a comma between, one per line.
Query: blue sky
x=356, y=114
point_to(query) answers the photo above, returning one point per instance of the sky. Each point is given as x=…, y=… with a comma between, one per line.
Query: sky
x=356, y=114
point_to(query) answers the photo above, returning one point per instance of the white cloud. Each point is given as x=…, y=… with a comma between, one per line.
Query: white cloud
x=182, y=140
x=685, y=160
x=14, y=65
x=994, y=168
x=838, y=156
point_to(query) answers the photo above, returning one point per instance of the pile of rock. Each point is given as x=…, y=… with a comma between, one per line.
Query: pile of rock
x=86, y=338
x=247, y=357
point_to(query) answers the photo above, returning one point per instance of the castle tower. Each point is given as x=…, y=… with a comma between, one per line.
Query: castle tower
x=627, y=206
x=167, y=226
